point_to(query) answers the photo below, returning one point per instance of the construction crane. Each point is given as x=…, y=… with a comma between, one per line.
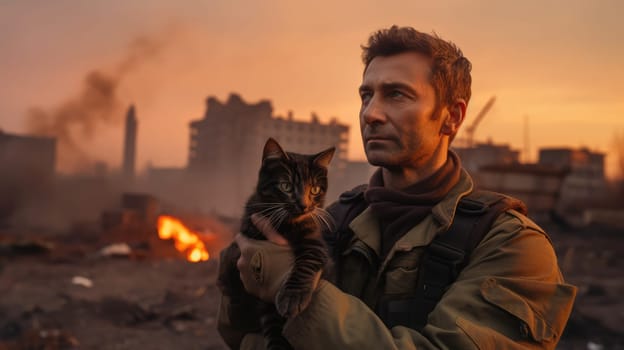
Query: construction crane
x=470, y=129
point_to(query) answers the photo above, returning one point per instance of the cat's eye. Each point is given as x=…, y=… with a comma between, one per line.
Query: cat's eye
x=315, y=190
x=285, y=186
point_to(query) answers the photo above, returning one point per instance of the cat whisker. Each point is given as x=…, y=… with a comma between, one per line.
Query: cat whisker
x=330, y=220
x=316, y=220
x=265, y=211
x=263, y=204
x=322, y=222
x=282, y=217
x=282, y=214
x=274, y=215
x=325, y=217
x=323, y=212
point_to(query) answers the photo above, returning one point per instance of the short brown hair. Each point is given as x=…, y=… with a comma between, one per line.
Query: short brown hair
x=450, y=70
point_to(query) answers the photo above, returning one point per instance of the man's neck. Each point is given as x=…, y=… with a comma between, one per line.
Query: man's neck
x=400, y=178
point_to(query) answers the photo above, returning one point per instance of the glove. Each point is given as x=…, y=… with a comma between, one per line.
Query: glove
x=239, y=313
x=263, y=266
x=228, y=279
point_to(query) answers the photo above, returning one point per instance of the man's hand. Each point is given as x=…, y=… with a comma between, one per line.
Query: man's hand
x=264, y=265
x=228, y=279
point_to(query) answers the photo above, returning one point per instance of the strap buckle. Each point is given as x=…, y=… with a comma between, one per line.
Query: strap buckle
x=472, y=207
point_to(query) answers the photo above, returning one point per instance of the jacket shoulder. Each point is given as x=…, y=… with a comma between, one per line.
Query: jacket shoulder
x=491, y=198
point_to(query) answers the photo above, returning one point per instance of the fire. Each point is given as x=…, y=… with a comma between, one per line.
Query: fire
x=185, y=240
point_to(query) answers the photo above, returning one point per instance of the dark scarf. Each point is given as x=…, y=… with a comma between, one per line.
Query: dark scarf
x=400, y=210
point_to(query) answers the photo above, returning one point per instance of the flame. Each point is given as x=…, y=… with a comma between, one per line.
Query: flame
x=185, y=240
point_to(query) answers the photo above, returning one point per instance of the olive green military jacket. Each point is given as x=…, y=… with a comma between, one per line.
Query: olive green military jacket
x=511, y=295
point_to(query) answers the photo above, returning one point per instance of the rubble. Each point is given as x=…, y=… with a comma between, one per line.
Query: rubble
x=25, y=247
x=153, y=298
x=75, y=296
x=82, y=281
x=116, y=249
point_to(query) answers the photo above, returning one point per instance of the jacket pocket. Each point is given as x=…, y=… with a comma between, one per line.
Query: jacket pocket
x=401, y=273
x=486, y=338
x=401, y=281
x=541, y=307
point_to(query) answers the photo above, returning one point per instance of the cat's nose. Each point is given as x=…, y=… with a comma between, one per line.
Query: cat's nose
x=301, y=207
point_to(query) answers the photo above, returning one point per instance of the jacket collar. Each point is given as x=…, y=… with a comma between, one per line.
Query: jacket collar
x=366, y=226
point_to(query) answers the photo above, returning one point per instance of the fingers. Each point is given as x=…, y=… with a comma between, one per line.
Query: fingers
x=242, y=264
x=228, y=279
x=264, y=225
x=243, y=244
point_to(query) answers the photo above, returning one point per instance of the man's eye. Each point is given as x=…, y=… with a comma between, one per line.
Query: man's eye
x=396, y=93
x=365, y=96
x=285, y=187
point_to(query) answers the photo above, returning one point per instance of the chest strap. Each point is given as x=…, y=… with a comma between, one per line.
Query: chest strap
x=446, y=256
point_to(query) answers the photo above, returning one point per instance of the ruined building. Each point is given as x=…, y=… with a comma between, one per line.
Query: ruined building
x=27, y=154
x=586, y=179
x=484, y=154
x=226, y=147
x=27, y=167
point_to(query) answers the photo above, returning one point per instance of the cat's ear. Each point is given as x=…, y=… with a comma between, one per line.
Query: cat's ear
x=272, y=149
x=322, y=159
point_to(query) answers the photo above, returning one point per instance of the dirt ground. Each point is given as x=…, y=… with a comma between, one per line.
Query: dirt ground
x=60, y=292
x=593, y=260
x=154, y=299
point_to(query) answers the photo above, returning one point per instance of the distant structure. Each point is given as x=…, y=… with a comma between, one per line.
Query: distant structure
x=483, y=154
x=129, y=152
x=563, y=181
x=27, y=167
x=27, y=154
x=226, y=147
x=497, y=167
x=586, y=181
x=538, y=186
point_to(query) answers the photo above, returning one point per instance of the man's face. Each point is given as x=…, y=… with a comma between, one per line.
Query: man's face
x=397, y=123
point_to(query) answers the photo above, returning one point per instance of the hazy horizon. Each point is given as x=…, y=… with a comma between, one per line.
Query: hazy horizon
x=557, y=63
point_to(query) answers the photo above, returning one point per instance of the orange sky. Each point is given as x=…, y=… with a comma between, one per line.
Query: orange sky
x=560, y=64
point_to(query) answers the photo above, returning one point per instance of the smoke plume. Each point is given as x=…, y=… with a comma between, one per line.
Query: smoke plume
x=77, y=119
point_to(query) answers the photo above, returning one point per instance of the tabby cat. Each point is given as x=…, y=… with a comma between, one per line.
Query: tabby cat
x=290, y=193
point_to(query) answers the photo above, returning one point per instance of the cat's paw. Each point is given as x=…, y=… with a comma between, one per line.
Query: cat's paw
x=290, y=302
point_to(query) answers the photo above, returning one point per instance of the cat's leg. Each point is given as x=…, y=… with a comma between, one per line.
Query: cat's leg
x=272, y=326
x=296, y=292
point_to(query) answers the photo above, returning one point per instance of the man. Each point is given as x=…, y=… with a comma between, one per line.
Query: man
x=510, y=294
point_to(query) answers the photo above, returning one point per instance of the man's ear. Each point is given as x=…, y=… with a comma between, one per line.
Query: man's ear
x=454, y=118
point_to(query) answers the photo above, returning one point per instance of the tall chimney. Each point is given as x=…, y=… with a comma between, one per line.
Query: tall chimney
x=129, y=154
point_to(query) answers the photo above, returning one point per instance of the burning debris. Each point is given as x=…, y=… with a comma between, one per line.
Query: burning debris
x=186, y=241
x=114, y=285
x=138, y=220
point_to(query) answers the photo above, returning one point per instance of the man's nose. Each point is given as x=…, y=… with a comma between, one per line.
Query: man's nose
x=373, y=112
